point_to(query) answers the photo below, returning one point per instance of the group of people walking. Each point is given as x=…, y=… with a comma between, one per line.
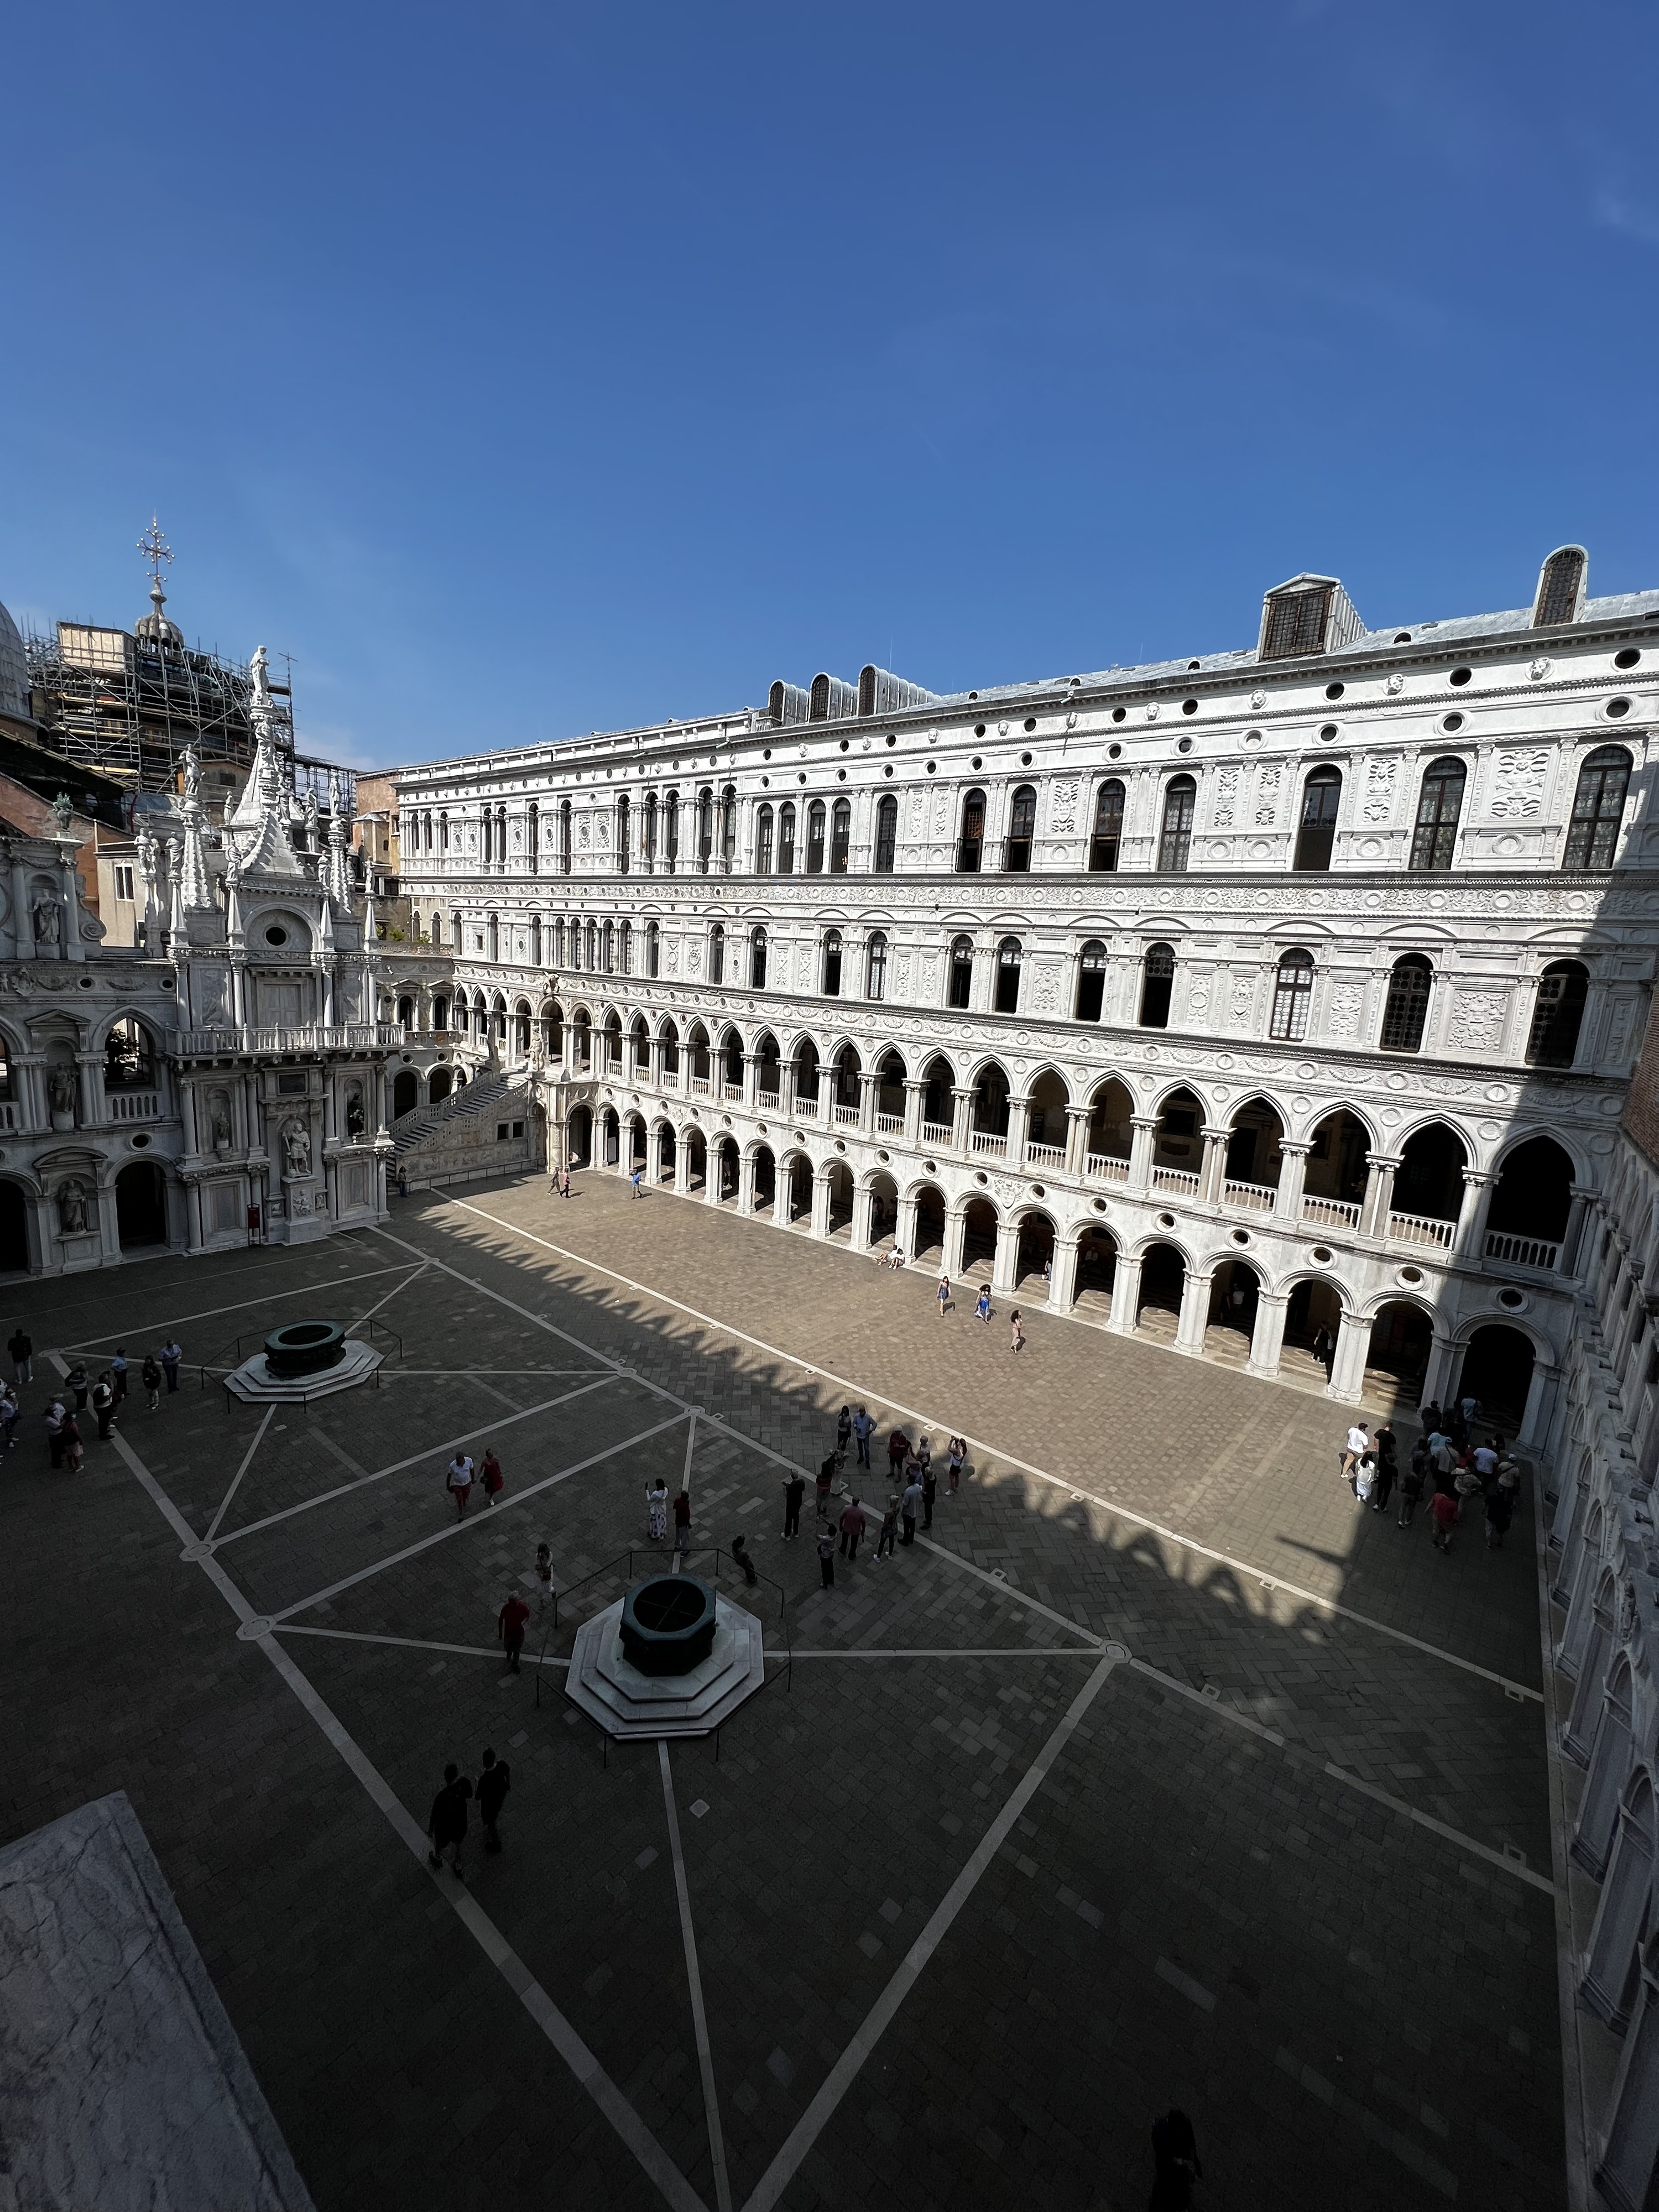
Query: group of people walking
x=463, y=1473
x=102, y=1395
x=448, y=1822
x=945, y=1298
x=1447, y=1462
x=912, y=1470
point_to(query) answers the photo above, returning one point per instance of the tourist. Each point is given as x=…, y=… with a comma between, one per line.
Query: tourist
x=982, y=1304
x=827, y=1556
x=957, y=1454
x=171, y=1355
x=909, y=1505
x=1430, y=1417
x=1501, y=1493
x=1468, y=1484
x=1387, y=1469
x=852, y=1527
x=741, y=1553
x=491, y=1481
x=564, y=1188
x=1175, y=2164
x=21, y=1345
x=683, y=1522
x=1484, y=1460
x=889, y=1530
x=826, y=1476
x=1470, y=1409
x=929, y=1479
x=794, y=1489
x=863, y=1428
x=509, y=1627
x=1359, y=1443
x=103, y=1404
x=8, y=1412
x=898, y=1451
x=74, y=1451
x=117, y=1377
x=1364, y=1479
x=151, y=1375
x=78, y=1383
x=56, y=1414
x=1443, y=1511
x=494, y=1780
x=924, y=1451
x=446, y=1822
x=656, y=1511
x=843, y=1434
x=944, y=1296
x=1324, y=1350
x=636, y=1183
x=1412, y=1482
x=1015, y=1331
x=459, y=1481
x=543, y=1575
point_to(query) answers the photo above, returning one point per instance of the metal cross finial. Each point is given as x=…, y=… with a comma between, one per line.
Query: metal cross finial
x=155, y=547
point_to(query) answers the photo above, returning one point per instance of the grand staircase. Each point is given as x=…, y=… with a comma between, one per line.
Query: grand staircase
x=420, y=1126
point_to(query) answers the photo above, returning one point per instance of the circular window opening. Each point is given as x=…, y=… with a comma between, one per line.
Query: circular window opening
x=87, y=983
x=1241, y=1237
x=1627, y=659
x=1025, y=760
x=1617, y=709
x=973, y=695
x=275, y=935
x=1191, y=664
x=840, y=1146
x=1166, y=1221
x=888, y=770
x=1037, y=1191
x=1451, y=721
x=981, y=1176
x=1118, y=712
x=1403, y=637
x=800, y=776
x=1184, y=745
x=1461, y=675
x=1253, y=736
x=1410, y=1274
x=1512, y=1300
x=1030, y=724
x=1327, y=731
x=892, y=741
x=1322, y=1254
x=845, y=743
x=1189, y=705
x=930, y=1167
x=979, y=729
x=1334, y=691
x=931, y=766
x=139, y=1143
x=1100, y=1206
x=1113, y=752
x=766, y=783
x=840, y=775
x=977, y=761
x=766, y=752
x=884, y=1156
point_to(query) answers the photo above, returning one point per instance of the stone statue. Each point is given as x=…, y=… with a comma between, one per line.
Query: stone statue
x=72, y=1205
x=62, y=806
x=233, y=864
x=257, y=668
x=221, y=1107
x=192, y=776
x=313, y=838
x=355, y=1126
x=48, y=919
x=296, y=1149
x=60, y=1087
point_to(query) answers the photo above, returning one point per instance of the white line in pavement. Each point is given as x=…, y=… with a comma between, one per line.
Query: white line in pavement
x=532, y=1995
x=1268, y=1582
x=711, y=2105
x=406, y=1643
x=317, y=1291
x=247, y=1461
x=848, y=2067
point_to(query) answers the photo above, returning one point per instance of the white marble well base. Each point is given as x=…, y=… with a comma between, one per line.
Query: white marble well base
x=253, y=1382
x=610, y=1690
x=122, y=2083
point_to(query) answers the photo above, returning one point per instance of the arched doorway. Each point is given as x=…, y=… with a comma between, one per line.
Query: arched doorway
x=612, y=1134
x=930, y=1225
x=725, y=1169
x=696, y=1160
x=579, y=1136
x=1110, y=1133
x=1235, y=1288
x=141, y=1208
x=13, y=1231
x=883, y=1210
x=665, y=1153
x=1311, y=1320
x=1401, y=1337
x=1497, y=1369
x=1428, y=1186
x=1254, y=1157
x=1333, y=1182
x=1097, y=1268
x=1163, y=1280
x=798, y=1202
x=766, y=1179
x=405, y=1092
x=438, y=1083
x=1034, y=1258
x=1530, y=1205
x=634, y=1126
x=979, y=1238
x=841, y=1199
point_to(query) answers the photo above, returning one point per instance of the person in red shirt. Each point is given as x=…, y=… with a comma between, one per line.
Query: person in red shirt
x=490, y=1476
x=509, y=1627
x=1443, y=1513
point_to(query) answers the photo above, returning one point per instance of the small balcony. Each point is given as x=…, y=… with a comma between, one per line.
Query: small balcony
x=1421, y=1229
x=936, y=1135
x=890, y=1125
x=846, y=1117
x=989, y=1144
x=1107, y=1167
x=1252, y=1197
x=1178, y=1181
x=1330, y=1212
x=1049, y=1157
x=1535, y=1252
x=132, y=1105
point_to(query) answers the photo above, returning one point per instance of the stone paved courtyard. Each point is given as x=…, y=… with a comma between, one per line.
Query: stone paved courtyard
x=1155, y=1773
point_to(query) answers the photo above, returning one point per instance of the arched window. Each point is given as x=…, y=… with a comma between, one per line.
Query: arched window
x=841, y=835
x=671, y=829
x=728, y=826
x=592, y=947
x=621, y=833
x=1438, y=806
x=535, y=941
x=786, y=838
x=649, y=839
x=1406, y=1007
x=437, y=935
x=1560, y=583
x=1557, y=1014
x=875, y=966
x=832, y=963
x=1156, y=981
x=815, y=818
x=705, y=826
x=608, y=959
x=1321, y=795
x=887, y=834
x=1109, y=828
x=564, y=837
x=557, y=960
x=1598, y=808
x=763, y=841
x=970, y=846
x=440, y=1014
x=1008, y=996
x=1021, y=829
x=486, y=839
x=626, y=951
x=533, y=836
x=961, y=971
x=653, y=948
x=1176, y=838
x=493, y=934
x=443, y=833
x=1292, y=997
x=717, y=953
x=129, y=1056
x=1091, y=981
x=757, y=959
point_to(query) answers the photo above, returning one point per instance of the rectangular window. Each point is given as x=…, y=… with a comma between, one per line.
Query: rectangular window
x=124, y=884
x=1296, y=623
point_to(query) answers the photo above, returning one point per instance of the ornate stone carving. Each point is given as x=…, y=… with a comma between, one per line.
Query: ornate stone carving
x=1517, y=783
x=1226, y=796
x=1062, y=808
x=1240, y=1001
x=1477, y=1021
x=1266, y=796
x=1378, y=803
x=1342, y=1010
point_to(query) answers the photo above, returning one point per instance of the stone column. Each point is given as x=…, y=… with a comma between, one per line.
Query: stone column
x=1062, y=1283
x=1540, y=1402
x=914, y=1092
x=1379, y=1192
x=1268, y=1339
x=89, y=1085
x=1141, y=1148
x=711, y=1170
x=956, y=1227
x=1077, y=1140
x=862, y=1197
x=820, y=1201
x=1126, y=1293
x=869, y=1090
x=239, y=989
x=746, y=1182
x=786, y=1088
x=1005, y=1265
x=1353, y=1341
x=1582, y=1200
x=904, y=1227
x=683, y=1162
x=962, y=1105
x=1195, y=1310
x=33, y=1111
x=1213, y=1170
x=1292, y=1175
x=1469, y=1238
x=751, y=1081
x=1019, y=1129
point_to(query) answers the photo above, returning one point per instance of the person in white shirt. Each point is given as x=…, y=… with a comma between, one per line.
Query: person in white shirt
x=459, y=1480
x=1359, y=1443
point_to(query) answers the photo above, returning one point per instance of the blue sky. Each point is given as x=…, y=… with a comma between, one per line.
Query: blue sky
x=526, y=370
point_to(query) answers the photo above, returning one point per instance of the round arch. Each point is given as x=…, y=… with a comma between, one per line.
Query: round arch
x=1236, y=1289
